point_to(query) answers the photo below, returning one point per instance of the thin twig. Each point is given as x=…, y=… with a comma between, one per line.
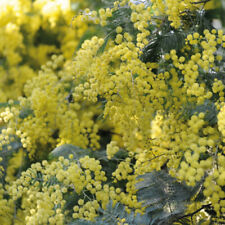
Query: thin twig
x=193, y=213
x=200, y=2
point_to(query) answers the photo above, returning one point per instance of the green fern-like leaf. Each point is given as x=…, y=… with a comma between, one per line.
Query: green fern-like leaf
x=111, y=216
x=102, y=48
x=6, y=104
x=161, y=43
x=25, y=112
x=208, y=107
x=165, y=199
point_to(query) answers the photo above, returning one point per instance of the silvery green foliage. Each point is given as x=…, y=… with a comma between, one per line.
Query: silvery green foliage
x=112, y=215
x=25, y=112
x=6, y=104
x=67, y=149
x=7, y=153
x=208, y=107
x=165, y=198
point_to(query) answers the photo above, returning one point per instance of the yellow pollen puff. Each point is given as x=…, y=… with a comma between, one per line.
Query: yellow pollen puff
x=119, y=38
x=189, y=37
x=119, y=29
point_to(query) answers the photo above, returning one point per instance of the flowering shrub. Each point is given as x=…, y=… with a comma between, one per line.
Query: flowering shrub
x=129, y=129
x=35, y=31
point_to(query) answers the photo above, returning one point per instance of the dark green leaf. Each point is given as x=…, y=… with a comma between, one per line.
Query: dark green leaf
x=6, y=104
x=25, y=112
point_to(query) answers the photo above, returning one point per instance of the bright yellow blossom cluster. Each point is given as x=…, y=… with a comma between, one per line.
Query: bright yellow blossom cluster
x=45, y=186
x=47, y=117
x=167, y=113
x=175, y=9
x=6, y=207
x=31, y=31
x=112, y=149
x=133, y=93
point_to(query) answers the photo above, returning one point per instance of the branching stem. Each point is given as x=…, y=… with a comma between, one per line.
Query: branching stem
x=200, y=2
x=193, y=213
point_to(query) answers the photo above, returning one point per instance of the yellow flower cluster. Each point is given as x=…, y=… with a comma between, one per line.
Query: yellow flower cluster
x=15, y=162
x=124, y=81
x=112, y=149
x=31, y=31
x=161, y=116
x=44, y=188
x=123, y=170
x=141, y=17
x=221, y=122
x=175, y=9
x=214, y=184
x=46, y=110
x=6, y=207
